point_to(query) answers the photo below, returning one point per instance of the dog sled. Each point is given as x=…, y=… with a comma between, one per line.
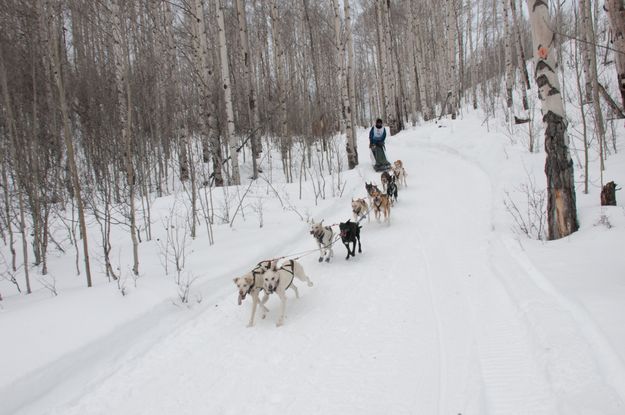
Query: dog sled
x=378, y=158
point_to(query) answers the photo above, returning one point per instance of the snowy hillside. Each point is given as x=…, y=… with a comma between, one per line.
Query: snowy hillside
x=447, y=310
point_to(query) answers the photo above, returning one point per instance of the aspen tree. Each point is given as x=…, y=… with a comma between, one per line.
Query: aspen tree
x=508, y=56
x=352, y=142
x=252, y=105
x=561, y=207
x=520, y=49
x=55, y=60
x=590, y=72
x=124, y=114
x=616, y=15
x=225, y=82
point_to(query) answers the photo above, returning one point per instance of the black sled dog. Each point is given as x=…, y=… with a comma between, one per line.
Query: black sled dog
x=350, y=233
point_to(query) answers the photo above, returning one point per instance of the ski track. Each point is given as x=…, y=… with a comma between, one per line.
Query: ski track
x=436, y=316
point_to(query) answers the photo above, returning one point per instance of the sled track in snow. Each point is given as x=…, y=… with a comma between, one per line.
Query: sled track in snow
x=441, y=349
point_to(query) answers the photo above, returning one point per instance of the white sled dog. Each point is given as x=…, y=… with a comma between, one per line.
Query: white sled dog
x=323, y=235
x=278, y=280
x=252, y=283
x=359, y=209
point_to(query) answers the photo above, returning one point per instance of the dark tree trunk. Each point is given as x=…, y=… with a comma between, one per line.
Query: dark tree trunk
x=561, y=211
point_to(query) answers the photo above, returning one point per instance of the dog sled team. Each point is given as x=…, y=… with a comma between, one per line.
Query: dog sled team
x=270, y=277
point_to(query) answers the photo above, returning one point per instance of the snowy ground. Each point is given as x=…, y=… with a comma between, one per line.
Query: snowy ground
x=446, y=311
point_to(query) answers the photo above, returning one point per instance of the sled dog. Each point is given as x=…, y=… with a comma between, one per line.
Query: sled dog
x=391, y=190
x=350, y=233
x=323, y=235
x=385, y=178
x=400, y=173
x=382, y=205
x=280, y=279
x=371, y=190
x=252, y=283
x=360, y=208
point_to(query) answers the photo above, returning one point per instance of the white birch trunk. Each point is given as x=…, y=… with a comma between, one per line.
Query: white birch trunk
x=425, y=79
x=225, y=80
x=207, y=105
x=380, y=66
x=520, y=49
x=460, y=86
x=252, y=106
x=518, y=41
x=592, y=84
x=352, y=142
x=616, y=16
x=584, y=46
x=338, y=61
x=55, y=61
x=452, y=75
x=383, y=62
x=561, y=208
x=394, y=120
x=508, y=57
x=11, y=144
x=180, y=124
x=279, y=65
x=473, y=60
x=123, y=107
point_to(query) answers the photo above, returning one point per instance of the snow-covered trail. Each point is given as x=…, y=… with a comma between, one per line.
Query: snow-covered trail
x=421, y=322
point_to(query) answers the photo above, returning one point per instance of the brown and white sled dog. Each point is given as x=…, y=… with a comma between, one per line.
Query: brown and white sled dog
x=381, y=205
x=323, y=235
x=360, y=208
x=400, y=173
x=251, y=283
x=280, y=279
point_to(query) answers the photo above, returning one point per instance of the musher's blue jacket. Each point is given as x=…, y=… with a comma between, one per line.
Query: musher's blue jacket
x=379, y=141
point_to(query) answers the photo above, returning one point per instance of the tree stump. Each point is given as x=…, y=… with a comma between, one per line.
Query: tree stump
x=608, y=194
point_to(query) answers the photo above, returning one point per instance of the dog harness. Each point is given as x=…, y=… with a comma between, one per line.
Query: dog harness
x=321, y=234
x=377, y=201
x=258, y=270
x=292, y=271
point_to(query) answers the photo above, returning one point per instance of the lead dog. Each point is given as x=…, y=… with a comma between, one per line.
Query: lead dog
x=252, y=283
x=323, y=235
x=279, y=280
x=359, y=209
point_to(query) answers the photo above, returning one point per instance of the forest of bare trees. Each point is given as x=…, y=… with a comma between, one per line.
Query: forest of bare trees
x=107, y=104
